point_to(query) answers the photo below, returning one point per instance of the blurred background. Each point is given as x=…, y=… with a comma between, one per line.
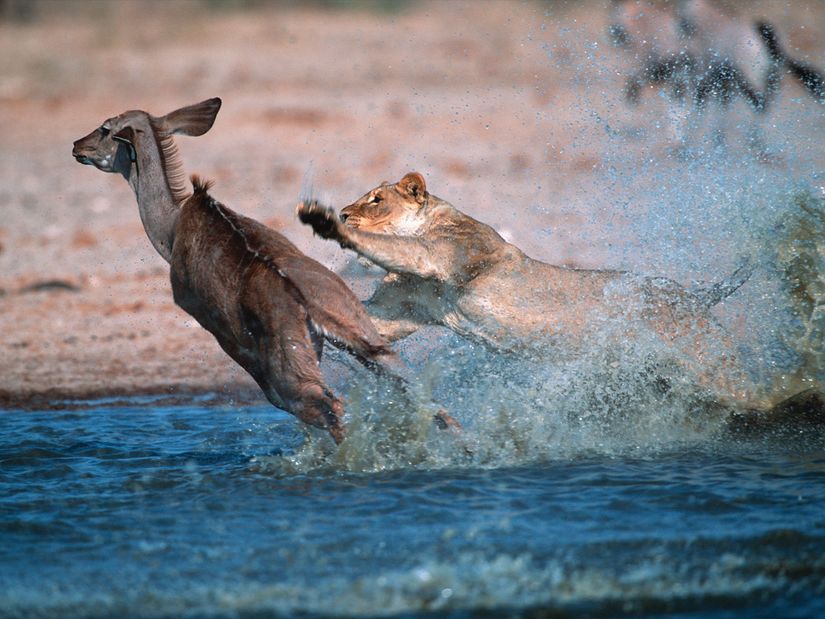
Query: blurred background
x=514, y=111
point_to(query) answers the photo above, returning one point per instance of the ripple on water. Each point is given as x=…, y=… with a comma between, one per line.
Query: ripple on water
x=190, y=511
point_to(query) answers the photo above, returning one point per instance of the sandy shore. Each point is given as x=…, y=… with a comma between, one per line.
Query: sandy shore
x=494, y=105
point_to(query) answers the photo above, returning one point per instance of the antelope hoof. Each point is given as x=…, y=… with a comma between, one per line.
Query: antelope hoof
x=445, y=421
x=337, y=432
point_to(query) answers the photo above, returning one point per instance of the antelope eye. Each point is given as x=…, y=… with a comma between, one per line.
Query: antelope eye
x=104, y=131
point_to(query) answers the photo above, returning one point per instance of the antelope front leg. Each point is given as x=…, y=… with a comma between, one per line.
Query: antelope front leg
x=291, y=379
x=391, y=365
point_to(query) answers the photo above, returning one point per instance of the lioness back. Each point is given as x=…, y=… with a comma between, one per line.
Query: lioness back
x=488, y=289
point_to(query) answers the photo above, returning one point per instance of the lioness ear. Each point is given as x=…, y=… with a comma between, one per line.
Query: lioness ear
x=413, y=185
x=193, y=119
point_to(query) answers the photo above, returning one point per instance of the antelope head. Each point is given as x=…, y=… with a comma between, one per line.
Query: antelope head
x=112, y=146
x=142, y=148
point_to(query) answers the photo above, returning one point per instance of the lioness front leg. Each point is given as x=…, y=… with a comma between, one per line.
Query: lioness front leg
x=325, y=223
x=429, y=259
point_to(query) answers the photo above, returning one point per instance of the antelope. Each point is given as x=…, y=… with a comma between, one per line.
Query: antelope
x=700, y=54
x=648, y=31
x=747, y=46
x=269, y=306
x=697, y=50
x=809, y=76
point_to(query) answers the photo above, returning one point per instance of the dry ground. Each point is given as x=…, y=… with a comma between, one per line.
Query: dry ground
x=493, y=101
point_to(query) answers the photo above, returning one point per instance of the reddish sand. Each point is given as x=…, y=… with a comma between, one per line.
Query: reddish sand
x=490, y=100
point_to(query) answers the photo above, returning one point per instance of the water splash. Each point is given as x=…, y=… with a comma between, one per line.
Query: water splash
x=629, y=397
x=307, y=193
x=692, y=214
x=697, y=211
x=800, y=264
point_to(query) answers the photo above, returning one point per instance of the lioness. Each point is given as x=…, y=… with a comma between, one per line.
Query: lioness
x=446, y=268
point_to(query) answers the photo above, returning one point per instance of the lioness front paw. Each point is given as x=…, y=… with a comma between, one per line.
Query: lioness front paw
x=324, y=221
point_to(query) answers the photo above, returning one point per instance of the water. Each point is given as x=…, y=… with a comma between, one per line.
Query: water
x=150, y=511
x=597, y=482
x=695, y=210
x=589, y=484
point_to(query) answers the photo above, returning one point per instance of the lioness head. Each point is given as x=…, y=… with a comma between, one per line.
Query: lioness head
x=390, y=208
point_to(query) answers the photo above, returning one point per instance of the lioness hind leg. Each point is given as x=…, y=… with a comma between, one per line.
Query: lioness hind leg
x=388, y=364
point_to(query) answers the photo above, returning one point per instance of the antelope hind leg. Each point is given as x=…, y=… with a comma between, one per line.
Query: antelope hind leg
x=317, y=406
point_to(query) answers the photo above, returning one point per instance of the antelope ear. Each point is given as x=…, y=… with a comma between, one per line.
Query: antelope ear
x=193, y=119
x=413, y=185
x=127, y=137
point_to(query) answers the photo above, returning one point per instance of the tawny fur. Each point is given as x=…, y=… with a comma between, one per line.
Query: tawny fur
x=446, y=268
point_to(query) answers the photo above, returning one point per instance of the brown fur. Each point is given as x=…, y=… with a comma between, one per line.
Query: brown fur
x=269, y=306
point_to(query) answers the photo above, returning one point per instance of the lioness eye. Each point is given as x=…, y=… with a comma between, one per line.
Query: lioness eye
x=104, y=131
x=375, y=199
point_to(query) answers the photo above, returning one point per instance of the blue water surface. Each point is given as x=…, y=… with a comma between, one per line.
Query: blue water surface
x=156, y=511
